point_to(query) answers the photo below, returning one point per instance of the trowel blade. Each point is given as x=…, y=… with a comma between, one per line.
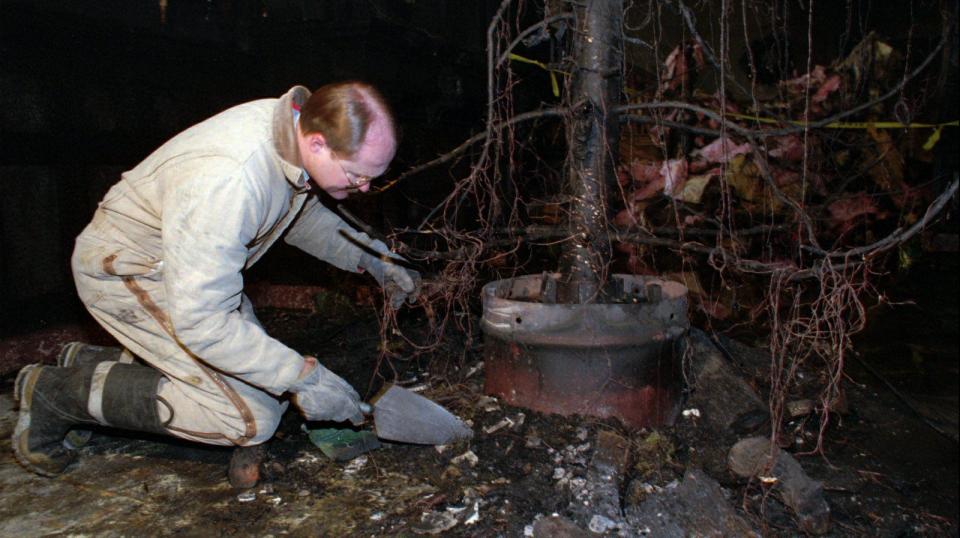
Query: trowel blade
x=407, y=417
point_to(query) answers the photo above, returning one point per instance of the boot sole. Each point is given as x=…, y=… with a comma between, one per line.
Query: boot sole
x=23, y=387
x=21, y=376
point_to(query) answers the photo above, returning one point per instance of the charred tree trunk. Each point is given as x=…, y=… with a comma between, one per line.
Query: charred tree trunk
x=592, y=137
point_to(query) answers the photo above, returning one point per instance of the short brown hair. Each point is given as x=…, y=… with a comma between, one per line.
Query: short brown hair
x=342, y=112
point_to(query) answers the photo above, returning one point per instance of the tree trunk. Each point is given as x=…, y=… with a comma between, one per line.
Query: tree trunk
x=592, y=138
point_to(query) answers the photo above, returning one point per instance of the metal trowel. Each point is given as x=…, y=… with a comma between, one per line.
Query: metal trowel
x=407, y=417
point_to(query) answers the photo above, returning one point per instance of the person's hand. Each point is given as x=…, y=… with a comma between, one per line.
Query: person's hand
x=399, y=283
x=323, y=395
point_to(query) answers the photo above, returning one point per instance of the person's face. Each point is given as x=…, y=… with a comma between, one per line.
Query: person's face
x=341, y=175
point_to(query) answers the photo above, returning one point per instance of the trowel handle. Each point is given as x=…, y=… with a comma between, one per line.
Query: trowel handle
x=366, y=408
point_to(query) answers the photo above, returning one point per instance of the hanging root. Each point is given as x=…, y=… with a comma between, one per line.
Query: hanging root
x=813, y=321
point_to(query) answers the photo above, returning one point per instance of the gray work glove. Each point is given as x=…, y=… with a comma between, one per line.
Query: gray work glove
x=323, y=395
x=399, y=283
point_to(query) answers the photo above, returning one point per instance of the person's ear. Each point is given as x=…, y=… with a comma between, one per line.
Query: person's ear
x=316, y=142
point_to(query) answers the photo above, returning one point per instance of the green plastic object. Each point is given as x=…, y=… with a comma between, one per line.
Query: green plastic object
x=343, y=444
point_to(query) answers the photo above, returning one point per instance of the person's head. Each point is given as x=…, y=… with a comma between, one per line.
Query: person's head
x=346, y=137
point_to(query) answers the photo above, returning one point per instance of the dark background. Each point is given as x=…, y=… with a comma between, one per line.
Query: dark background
x=88, y=89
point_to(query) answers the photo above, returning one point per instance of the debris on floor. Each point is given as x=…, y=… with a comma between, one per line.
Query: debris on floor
x=696, y=506
x=523, y=473
x=757, y=457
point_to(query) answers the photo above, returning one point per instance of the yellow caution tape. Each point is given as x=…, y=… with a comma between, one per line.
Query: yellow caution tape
x=856, y=124
x=934, y=138
x=553, y=77
x=927, y=146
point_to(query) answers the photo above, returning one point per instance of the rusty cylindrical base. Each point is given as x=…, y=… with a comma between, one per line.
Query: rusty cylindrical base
x=603, y=360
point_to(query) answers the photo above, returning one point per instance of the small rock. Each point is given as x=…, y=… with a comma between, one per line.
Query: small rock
x=755, y=455
x=695, y=507
x=720, y=394
x=504, y=422
x=435, y=523
x=638, y=491
x=307, y=457
x=488, y=404
x=474, y=514
x=750, y=456
x=799, y=408
x=246, y=497
x=473, y=370
x=612, y=451
x=601, y=524
x=468, y=457
x=558, y=527
x=355, y=465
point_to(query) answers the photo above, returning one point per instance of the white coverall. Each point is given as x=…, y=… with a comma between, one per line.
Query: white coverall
x=160, y=266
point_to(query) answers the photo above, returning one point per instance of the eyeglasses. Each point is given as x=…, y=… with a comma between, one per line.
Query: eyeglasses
x=355, y=181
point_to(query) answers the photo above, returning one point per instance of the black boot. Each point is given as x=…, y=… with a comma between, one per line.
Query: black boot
x=53, y=400
x=81, y=354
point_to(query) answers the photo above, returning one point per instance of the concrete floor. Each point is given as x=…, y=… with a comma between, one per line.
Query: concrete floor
x=130, y=487
x=110, y=493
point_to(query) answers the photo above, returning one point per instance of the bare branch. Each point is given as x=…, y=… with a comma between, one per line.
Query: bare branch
x=900, y=236
x=450, y=155
x=542, y=24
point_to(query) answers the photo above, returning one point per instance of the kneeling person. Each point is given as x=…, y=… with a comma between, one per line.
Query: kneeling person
x=160, y=264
